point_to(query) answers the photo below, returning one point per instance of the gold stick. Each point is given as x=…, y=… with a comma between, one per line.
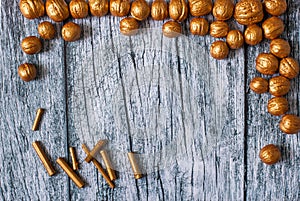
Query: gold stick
x=99, y=167
x=107, y=162
x=38, y=117
x=75, y=178
x=74, y=158
x=43, y=157
x=135, y=167
x=95, y=150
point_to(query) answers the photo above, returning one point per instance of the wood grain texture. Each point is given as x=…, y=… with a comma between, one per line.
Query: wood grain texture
x=196, y=125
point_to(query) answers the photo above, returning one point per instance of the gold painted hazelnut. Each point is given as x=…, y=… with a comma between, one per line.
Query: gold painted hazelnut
x=140, y=10
x=71, y=32
x=279, y=86
x=178, y=10
x=32, y=9
x=266, y=64
x=275, y=7
x=171, y=29
x=290, y=124
x=98, y=7
x=223, y=9
x=200, y=7
x=249, y=12
x=219, y=50
x=46, y=30
x=159, y=10
x=31, y=45
x=219, y=29
x=119, y=8
x=199, y=26
x=273, y=27
x=57, y=10
x=280, y=48
x=253, y=34
x=270, y=154
x=289, y=68
x=79, y=9
x=27, y=72
x=129, y=26
x=235, y=39
x=259, y=85
x=278, y=106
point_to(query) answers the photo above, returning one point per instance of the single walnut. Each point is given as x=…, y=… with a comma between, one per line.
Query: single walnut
x=71, y=32
x=171, y=29
x=273, y=27
x=289, y=68
x=219, y=29
x=119, y=8
x=235, y=39
x=199, y=26
x=98, y=7
x=253, y=34
x=46, y=30
x=223, y=9
x=279, y=86
x=290, y=124
x=159, y=10
x=129, y=26
x=31, y=45
x=27, y=72
x=278, y=106
x=178, y=10
x=140, y=10
x=57, y=10
x=266, y=64
x=79, y=9
x=219, y=50
x=259, y=85
x=200, y=7
x=275, y=7
x=32, y=9
x=280, y=48
x=270, y=154
x=249, y=12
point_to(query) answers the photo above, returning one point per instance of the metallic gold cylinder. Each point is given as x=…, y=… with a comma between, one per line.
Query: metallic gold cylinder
x=43, y=157
x=95, y=150
x=38, y=117
x=74, y=158
x=134, y=165
x=99, y=167
x=70, y=172
x=107, y=162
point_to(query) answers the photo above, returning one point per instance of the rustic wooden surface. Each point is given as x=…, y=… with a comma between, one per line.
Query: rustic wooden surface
x=87, y=97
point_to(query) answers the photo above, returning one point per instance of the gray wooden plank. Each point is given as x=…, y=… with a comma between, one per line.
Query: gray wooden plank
x=22, y=175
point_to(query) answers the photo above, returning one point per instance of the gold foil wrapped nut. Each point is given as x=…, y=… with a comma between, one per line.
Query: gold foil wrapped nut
x=178, y=10
x=159, y=10
x=259, y=85
x=280, y=48
x=219, y=50
x=119, y=8
x=219, y=29
x=31, y=45
x=289, y=68
x=273, y=27
x=27, y=72
x=171, y=29
x=129, y=26
x=249, y=12
x=278, y=106
x=290, y=124
x=57, y=10
x=235, y=39
x=223, y=9
x=200, y=7
x=279, y=86
x=79, y=9
x=270, y=154
x=32, y=9
x=199, y=26
x=140, y=10
x=47, y=30
x=71, y=32
x=253, y=34
x=98, y=7
x=275, y=7
x=266, y=64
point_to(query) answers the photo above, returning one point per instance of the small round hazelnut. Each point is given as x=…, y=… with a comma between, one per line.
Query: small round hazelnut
x=270, y=154
x=171, y=29
x=280, y=48
x=249, y=12
x=289, y=68
x=253, y=34
x=129, y=26
x=47, y=30
x=219, y=50
x=119, y=8
x=235, y=39
x=98, y=7
x=159, y=10
x=32, y=9
x=279, y=86
x=27, y=72
x=223, y=9
x=290, y=124
x=266, y=64
x=31, y=45
x=200, y=7
x=140, y=10
x=71, y=32
x=259, y=85
x=199, y=26
x=79, y=9
x=278, y=106
x=275, y=7
x=219, y=29
x=57, y=10
x=178, y=10
x=273, y=27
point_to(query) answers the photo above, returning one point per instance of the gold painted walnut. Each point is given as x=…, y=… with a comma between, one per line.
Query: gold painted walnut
x=219, y=50
x=289, y=68
x=129, y=26
x=47, y=30
x=200, y=7
x=219, y=29
x=280, y=48
x=119, y=8
x=27, y=72
x=290, y=124
x=273, y=27
x=199, y=26
x=140, y=10
x=278, y=106
x=79, y=9
x=171, y=29
x=223, y=9
x=32, y=9
x=279, y=86
x=159, y=10
x=259, y=85
x=266, y=64
x=178, y=10
x=275, y=7
x=235, y=39
x=270, y=154
x=98, y=7
x=71, y=32
x=248, y=12
x=253, y=34
x=31, y=45
x=57, y=10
